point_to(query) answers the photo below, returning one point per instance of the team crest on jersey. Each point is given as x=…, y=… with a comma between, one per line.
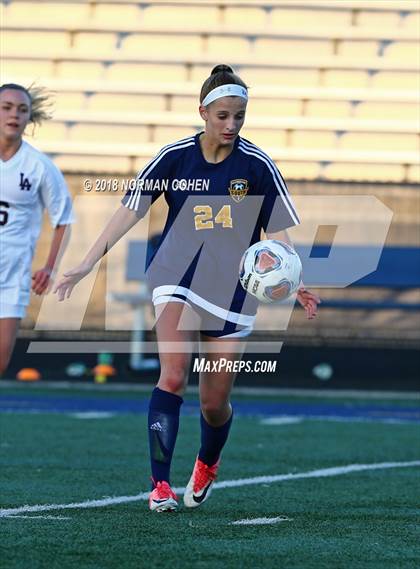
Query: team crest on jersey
x=24, y=182
x=238, y=189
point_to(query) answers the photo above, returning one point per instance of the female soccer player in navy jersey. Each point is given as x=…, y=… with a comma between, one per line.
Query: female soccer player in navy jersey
x=222, y=191
x=30, y=182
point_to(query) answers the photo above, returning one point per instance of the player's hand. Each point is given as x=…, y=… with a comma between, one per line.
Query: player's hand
x=41, y=280
x=70, y=279
x=309, y=301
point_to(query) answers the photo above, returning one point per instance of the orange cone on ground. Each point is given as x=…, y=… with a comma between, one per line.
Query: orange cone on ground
x=28, y=374
x=102, y=371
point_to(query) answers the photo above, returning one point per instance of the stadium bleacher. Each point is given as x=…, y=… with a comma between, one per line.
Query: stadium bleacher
x=330, y=87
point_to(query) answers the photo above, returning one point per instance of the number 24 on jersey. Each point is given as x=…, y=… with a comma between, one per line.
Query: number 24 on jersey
x=204, y=217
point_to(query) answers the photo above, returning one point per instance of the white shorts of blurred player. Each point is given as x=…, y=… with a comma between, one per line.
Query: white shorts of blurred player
x=219, y=323
x=12, y=310
x=15, y=281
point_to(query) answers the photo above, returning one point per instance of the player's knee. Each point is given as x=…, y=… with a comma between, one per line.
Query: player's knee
x=214, y=408
x=174, y=379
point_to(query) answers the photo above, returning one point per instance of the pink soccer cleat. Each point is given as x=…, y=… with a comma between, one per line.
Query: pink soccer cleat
x=199, y=487
x=162, y=498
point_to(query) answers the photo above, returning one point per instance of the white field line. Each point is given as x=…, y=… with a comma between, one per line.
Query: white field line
x=92, y=415
x=41, y=517
x=321, y=473
x=284, y=420
x=333, y=419
x=260, y=521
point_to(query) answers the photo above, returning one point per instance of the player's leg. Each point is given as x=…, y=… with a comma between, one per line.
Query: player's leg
x=8, y=331
x=216, y=416
x=166, y=400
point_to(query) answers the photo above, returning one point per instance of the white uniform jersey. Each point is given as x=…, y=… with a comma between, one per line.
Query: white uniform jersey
x=29, y=183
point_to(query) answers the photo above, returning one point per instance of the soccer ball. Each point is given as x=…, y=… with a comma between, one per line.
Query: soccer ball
x=270, y=270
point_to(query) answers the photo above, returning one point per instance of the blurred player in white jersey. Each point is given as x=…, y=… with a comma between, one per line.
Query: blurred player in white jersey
x=30, y=182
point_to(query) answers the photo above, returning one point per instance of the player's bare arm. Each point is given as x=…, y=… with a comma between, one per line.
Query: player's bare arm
x=41, y=279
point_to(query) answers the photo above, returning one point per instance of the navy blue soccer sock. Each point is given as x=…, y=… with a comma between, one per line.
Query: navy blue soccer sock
x=213, y=440
x=163, y=423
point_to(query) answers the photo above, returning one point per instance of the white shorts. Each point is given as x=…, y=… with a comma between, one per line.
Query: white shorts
x=12, y=310
x=216, y=322
x=15, y=281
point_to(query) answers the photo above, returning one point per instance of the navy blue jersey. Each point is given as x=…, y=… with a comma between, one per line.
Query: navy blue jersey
x=216, y=211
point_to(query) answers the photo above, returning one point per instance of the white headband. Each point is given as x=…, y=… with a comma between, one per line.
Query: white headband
x=230, y=90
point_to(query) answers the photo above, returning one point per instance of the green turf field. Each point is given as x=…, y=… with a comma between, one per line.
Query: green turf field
x=354, y=520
